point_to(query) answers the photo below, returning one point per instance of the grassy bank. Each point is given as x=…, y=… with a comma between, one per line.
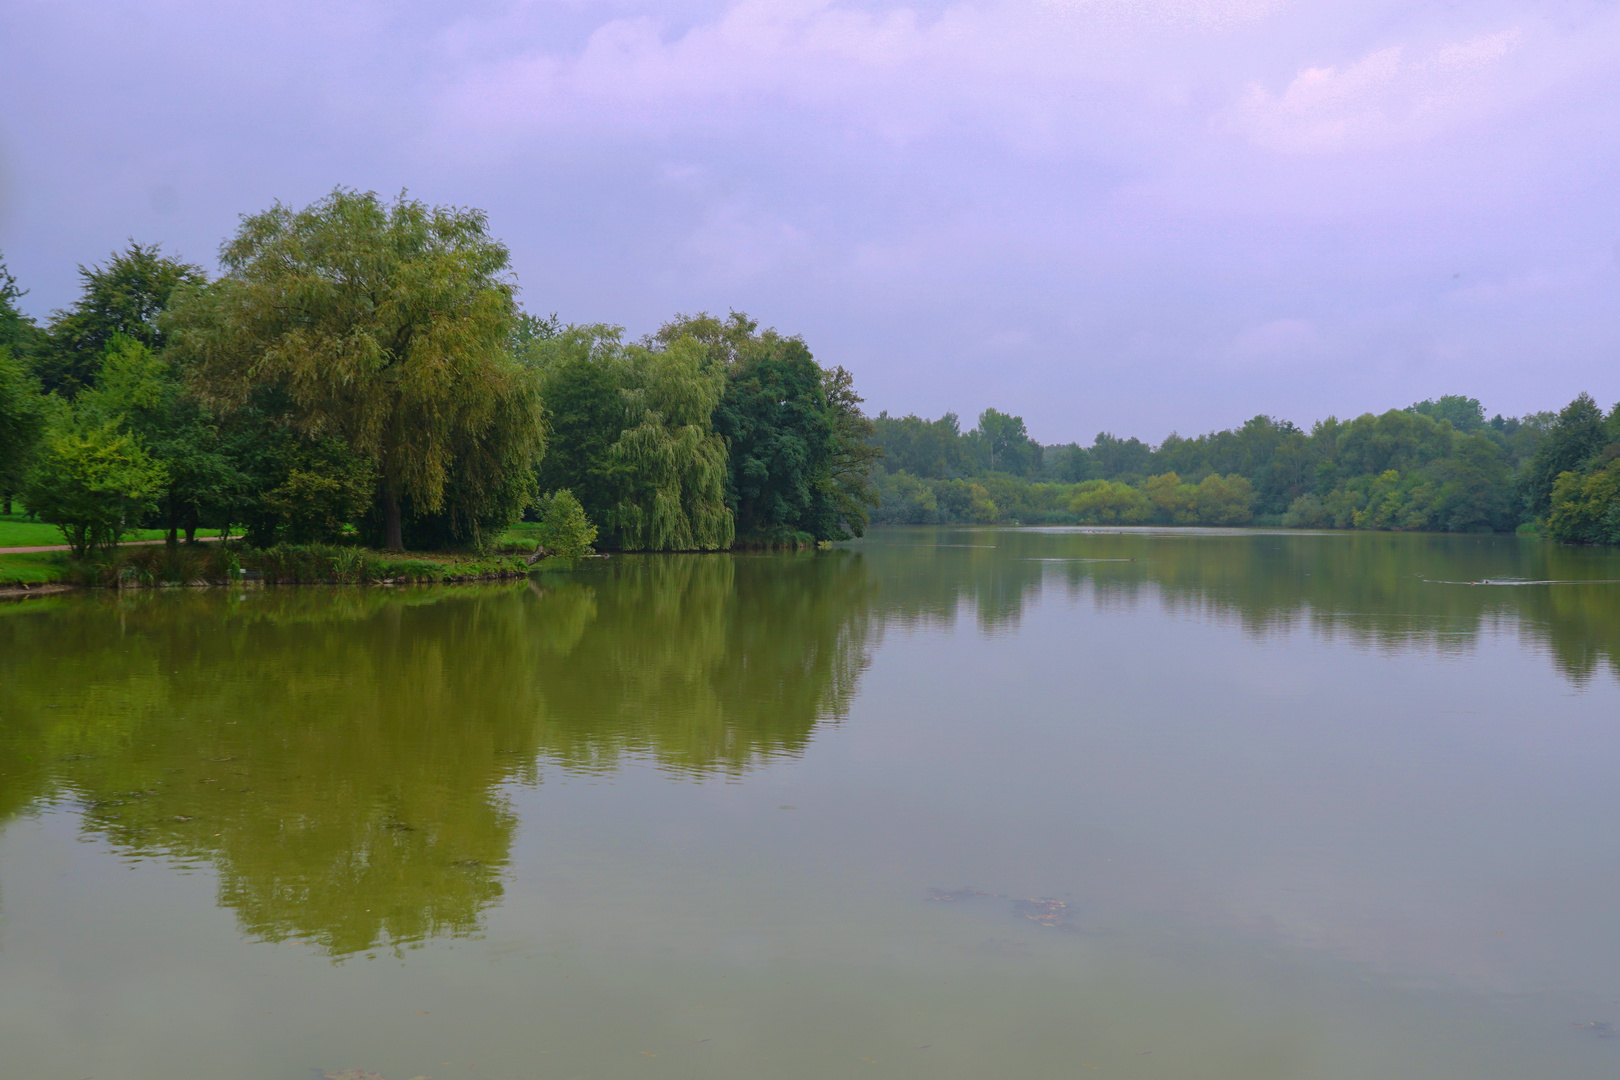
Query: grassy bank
x=41, y=568
x=17, y=531
x=232, y=563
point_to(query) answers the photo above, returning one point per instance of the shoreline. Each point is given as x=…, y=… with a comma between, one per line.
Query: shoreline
x=216, y=565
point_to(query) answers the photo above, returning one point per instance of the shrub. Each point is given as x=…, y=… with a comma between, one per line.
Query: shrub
x=564, y=530
x=94, y=485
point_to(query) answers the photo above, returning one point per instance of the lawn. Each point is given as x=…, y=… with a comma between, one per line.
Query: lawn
x=524, y=532
x=32, y=569
x=17, y=531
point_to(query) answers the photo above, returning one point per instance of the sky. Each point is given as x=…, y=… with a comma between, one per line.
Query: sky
x=1139, y=216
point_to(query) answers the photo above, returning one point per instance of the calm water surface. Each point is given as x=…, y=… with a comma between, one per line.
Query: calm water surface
x=944, y=803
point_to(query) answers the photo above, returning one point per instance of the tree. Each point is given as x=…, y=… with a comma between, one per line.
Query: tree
x=932, y=449
x=94, y=483
x=141, y=392
x=325, y=489
x=1585, y=508
x=127, y=296
x=1112, y=456
x=847, y=487
x=1475, y=492
x=564, y=530
x=23, y=416
x=1005, y=444
x=1465, y=413
x=670, y=465
x=1577, y=434
x=633, y=438
x=1106, y=502
x=582, y=371
x=776, y=419
x=17, y=330
x=1173, y=502
x=1225, y=500
x=388, y=324
x=1399, y=440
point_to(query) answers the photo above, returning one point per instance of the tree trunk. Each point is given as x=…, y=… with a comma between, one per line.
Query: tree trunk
x=393, y=528
x=8, y=504
x=191, y=525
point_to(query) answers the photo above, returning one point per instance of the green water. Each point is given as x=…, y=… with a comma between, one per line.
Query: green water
x=944, y=803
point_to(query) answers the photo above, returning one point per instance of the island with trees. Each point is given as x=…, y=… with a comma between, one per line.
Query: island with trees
x=359, y=382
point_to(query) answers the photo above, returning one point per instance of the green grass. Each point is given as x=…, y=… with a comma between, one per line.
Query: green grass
x=524, y=532
x=33, y=569
x=17, y=531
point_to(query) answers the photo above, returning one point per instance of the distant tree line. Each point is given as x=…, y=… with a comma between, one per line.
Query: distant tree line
x=361, y=369
x=1438, y=465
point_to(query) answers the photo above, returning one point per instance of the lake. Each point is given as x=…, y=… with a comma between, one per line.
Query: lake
x=942, y=802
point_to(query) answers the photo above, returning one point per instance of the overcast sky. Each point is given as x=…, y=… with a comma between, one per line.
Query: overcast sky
x=1138, y=215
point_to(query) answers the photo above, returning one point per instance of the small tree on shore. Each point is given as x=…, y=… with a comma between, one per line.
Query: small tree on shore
x=564, y=529
x=94, y=485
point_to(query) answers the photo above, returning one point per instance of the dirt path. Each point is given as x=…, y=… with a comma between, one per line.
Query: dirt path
x=64, y=547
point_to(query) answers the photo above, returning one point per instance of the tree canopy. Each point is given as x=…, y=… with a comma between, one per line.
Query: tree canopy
x=388, y=324
x=125, y=297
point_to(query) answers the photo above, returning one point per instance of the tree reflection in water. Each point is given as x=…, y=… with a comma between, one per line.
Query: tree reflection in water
x=340, y=757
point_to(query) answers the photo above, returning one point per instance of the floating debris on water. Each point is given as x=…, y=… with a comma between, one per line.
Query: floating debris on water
x=960, y=894
x=1046, y=911
x=1043, y=910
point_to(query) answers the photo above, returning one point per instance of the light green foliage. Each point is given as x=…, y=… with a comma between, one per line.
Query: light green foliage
x=633, y=438
x=1107, y=502
x=1308, y=512
x=141, y=391
x=903, y=497
x=1577, y=434
x=94, y=483
x=670, y=463
x=388, y=324
x=1225, y=500
x=564, y=530
x=1173, y=501
x=1586, y=506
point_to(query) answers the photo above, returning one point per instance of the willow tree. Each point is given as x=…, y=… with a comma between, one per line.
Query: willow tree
x=387, y=324
x=633, y=438
x=672, y=464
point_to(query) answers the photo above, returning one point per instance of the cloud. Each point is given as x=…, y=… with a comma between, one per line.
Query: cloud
x=1026, y=67
x=1384, y=97
x=1163, y=213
